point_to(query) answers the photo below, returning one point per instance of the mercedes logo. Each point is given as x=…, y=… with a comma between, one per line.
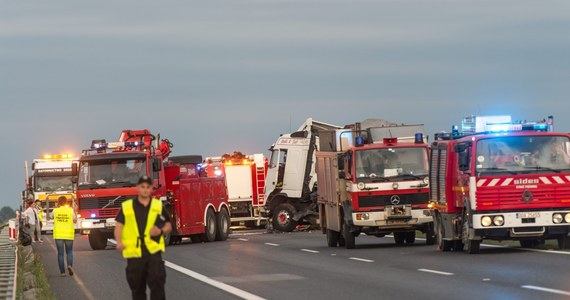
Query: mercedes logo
x=395, y=200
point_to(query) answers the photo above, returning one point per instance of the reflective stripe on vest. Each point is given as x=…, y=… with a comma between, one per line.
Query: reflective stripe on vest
x=63, y=227
x=131, y=237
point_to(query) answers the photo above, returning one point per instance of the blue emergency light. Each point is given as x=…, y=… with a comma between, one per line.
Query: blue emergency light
x=359, y=141
x=419, y=138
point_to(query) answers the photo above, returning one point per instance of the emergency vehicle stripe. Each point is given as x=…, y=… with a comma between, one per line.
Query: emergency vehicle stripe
x=481, y=182
x=494, y=182
x=545, y=180
x=507, y=181
x=558, y=179
x=568, y=178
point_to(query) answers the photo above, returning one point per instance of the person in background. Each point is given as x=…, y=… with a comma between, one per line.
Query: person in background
x=64, y=220
x=31, y=219
x=38, y=227
x=139, y=232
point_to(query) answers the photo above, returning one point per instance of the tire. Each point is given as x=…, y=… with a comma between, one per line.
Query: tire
x=349, y=238
x=563, y=242
x=333, y=238
x=399, y=238
x=210, y=231
x=97, y=240
x=529, y=243
x=168, y=239
x=430, y=235
x=469, y=246
x=442, y=245
x=410, y=237
x=222, y=225
x=283, y=217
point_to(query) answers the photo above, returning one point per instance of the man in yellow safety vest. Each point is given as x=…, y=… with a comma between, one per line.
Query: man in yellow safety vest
x=64, y=233
x=139, y=232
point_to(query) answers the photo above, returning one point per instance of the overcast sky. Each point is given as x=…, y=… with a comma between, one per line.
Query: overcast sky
x=218, y=76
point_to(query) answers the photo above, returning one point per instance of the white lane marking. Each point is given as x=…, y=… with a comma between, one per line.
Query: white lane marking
x=333, y=254
x=310, y=251
x=209, y=281
x=543, y=289
x=243, y=240
x=436, y=272
x=486, y=279
x=272, y=244
x=361, y=259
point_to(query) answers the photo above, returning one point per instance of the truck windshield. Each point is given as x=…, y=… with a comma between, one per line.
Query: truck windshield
x=387, y=164
x=523, y=154
x=53, y=183
x=110, y=173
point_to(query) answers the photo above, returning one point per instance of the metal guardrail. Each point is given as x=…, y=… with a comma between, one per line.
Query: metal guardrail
x=8, y=266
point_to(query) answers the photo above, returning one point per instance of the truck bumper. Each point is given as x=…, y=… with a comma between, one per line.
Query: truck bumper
x=416, y=217
x=87, y=225
x=520, y=225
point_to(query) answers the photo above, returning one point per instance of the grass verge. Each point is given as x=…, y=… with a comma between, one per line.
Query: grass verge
x=43, y=290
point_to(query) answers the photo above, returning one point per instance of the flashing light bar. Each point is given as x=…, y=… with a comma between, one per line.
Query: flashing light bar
x=114, y=145
x=500, y=124
x=57, y=156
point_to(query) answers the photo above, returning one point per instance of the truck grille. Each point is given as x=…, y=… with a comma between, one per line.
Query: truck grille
x=98, y=203
x=383, y=200
x=498, y=198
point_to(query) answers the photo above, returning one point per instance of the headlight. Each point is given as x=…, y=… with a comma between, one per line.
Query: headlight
x=361, y=185
x=365, y=216
x=557, y=218
x=567, y=218
x=395, y=185
x=486, y=221
x=426, y=180
x=86, y=224
x=498, y=221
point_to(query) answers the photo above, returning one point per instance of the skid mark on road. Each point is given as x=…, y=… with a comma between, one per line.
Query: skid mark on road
x=212, y=282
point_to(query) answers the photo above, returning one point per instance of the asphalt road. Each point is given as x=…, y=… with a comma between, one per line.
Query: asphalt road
x=298, y=265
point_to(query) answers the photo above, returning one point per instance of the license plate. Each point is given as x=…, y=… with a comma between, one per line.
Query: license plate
x=528, y=215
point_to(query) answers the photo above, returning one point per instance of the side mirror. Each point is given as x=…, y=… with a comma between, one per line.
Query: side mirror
x=156, y=165
x=74, y=169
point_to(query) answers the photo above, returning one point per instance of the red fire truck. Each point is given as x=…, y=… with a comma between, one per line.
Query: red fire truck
x=245, y=180
x=373, y=181
x=500, y=180
x=107, y=174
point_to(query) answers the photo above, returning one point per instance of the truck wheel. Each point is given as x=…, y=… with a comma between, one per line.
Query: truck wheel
x=223, y=225
x=410, y=237
x=442, y=245
x=563, y=242
x=430, y=235
x=399, y=238
x=283, y=217
x=469, y=246
x=332, y=238
x=168, y=239
x=349, y=238
x=210, y=234
x=97, y=240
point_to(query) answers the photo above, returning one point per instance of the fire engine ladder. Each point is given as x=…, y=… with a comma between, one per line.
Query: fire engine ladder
x=260, y=184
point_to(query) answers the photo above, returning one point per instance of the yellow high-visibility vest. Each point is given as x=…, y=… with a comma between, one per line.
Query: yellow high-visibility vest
x=63, y=227
x=40, y=214
x=131, y=236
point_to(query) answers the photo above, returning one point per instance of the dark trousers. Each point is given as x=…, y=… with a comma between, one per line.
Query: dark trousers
x=68, y=245
x=147, y=270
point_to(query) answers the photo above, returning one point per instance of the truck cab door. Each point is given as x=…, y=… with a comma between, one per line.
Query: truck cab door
x=275, y=171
